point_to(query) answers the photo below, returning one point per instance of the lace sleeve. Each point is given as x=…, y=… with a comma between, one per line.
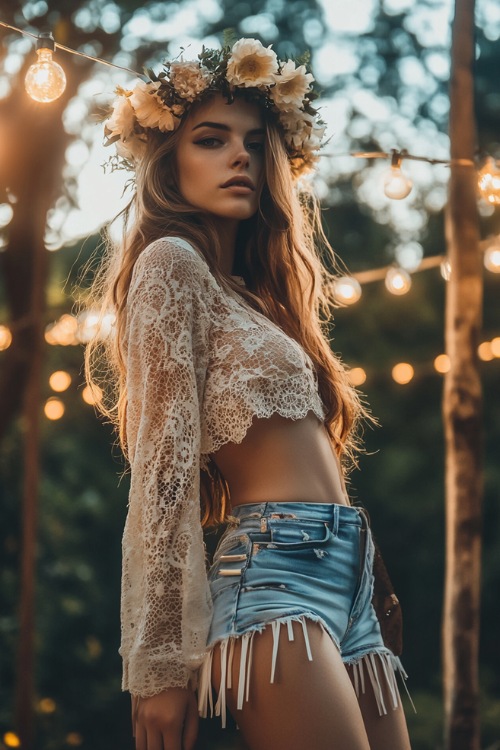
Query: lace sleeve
x=166, y=604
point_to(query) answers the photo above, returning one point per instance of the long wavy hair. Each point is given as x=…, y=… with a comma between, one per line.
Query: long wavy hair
x=289, y=268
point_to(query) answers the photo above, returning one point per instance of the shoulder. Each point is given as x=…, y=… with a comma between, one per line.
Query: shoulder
x=171, y=257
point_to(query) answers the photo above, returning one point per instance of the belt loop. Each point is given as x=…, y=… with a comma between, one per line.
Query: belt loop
x=335, y=527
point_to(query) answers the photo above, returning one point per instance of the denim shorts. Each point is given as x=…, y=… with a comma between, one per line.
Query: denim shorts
x=282, y=562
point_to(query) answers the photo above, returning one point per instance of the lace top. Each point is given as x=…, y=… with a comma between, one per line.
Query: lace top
x=201, y=363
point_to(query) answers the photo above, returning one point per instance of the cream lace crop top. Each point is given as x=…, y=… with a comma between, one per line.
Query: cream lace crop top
x=201, y=363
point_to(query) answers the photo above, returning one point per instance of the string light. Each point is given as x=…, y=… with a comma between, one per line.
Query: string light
x=5, y=338
x=47, y=705
x=347, y=290
x=445, y=269
x=402, y=373
x=92, y=396
x=495, y=346
x=492, y=256
x=54, y=409
x=485, y=352
x=398, y=281
x=442, y=363
x=489, y=182
x=357, y=376
x=45, y=80
x=396, y=184
x=11, y=739
x=60, y=381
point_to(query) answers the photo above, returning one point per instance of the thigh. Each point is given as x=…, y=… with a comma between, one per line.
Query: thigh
x=388, y=730
x=310, y=704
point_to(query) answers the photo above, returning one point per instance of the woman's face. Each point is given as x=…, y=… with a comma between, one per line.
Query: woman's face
x=220, y=158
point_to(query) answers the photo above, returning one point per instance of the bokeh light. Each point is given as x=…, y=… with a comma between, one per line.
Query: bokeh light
x=54, y=408
x=402, y=373
x=60, y=381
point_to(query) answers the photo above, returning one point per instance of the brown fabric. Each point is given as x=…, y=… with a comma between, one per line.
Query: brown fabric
x=387, y=606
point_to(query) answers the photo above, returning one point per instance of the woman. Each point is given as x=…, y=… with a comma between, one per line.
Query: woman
x=223, y=372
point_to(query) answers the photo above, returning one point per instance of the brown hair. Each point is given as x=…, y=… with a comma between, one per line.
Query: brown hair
x=284, y=257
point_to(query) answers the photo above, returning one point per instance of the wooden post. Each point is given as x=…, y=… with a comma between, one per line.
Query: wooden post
x=25, y=678
x=462, y=405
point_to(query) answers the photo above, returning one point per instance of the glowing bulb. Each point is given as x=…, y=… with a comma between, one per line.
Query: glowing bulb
x=442, y=363
x=45, y=80
x=11, y=739
x=488, y=182
x=485, y=352
x=492, y=257
x=347, y=290
x=495, y=346
x=357, y=376
x=402, y=373
x=398, y=281
x=60, y=381
x=90, y=396
x=54, y=409
x=396, y=185
x=5, y=338
x=445, y=269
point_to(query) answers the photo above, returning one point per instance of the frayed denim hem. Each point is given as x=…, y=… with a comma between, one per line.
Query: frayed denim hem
x=364, y=667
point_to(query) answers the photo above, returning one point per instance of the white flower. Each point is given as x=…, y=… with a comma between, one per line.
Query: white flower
x=151, y=112
x=122, y=120
x=292, y=84
x=251, y=64
x=189, y=79
x=297, y=126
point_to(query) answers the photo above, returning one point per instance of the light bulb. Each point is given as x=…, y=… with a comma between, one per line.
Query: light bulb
x=489, y=182
x=347, y=290
x=45, y=80
x=492, y=257
x=396, y=185
x=445, y=268
x=398, y=281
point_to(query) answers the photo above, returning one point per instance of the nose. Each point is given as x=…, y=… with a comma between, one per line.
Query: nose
x=241, y=156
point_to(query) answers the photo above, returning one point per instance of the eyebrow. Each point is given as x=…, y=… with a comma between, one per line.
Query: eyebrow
x=221, y=126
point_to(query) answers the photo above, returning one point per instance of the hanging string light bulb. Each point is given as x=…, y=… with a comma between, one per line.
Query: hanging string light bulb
x=488, y=182
x=45, y=80
x=492, y=257
x=347, y=290
x=396, y=184
x=445, y=269
x=398, y=281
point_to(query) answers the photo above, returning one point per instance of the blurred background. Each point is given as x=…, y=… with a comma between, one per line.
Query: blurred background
x=382, y=67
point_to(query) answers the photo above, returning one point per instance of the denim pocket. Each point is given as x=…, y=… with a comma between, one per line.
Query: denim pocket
x=296, y=534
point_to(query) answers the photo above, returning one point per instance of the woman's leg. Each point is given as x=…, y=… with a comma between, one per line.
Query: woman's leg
x=388, y=730
x=311, y=704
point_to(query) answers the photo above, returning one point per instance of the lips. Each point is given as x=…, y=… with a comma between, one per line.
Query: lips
x=245, y=182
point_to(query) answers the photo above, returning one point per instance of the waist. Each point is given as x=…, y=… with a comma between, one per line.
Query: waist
x=251, y=514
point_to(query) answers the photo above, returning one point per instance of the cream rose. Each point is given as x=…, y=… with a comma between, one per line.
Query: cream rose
x=251, y=64
x=189, y=79
x=122, y=120
x=150, y=111
x=292, y=84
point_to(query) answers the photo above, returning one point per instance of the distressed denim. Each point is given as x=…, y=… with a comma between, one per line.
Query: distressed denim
x=280, y=562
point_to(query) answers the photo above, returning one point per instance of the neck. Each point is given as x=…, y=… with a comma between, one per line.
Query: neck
x=227, y=236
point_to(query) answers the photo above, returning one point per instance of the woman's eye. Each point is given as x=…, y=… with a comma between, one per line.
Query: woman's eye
x=257, y=146
x=208, y=142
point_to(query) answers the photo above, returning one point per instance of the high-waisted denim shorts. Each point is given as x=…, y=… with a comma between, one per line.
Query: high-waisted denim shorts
x=282, y=562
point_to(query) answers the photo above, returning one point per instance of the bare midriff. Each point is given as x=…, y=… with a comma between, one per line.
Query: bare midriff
x=283, y=460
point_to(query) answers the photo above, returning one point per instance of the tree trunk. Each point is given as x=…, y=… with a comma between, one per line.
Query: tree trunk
x=462, y=406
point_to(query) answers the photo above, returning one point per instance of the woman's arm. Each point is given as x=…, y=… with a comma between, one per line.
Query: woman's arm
x=166, y=606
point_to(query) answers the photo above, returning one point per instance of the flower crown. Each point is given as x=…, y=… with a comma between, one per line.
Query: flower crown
x=159, y=103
